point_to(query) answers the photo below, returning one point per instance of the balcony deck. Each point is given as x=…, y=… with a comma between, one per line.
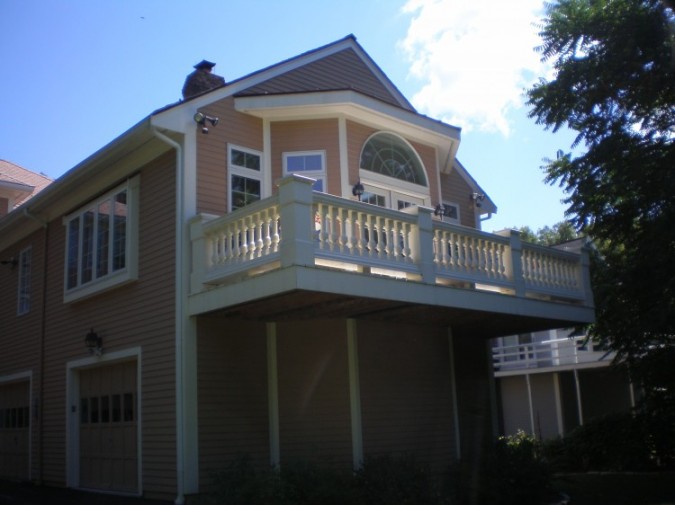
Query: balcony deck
x=358, y=251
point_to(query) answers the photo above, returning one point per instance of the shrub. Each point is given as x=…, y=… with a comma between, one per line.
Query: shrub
x=615, y=442
x=382, y=480
x=389, y=480
x=517, y=472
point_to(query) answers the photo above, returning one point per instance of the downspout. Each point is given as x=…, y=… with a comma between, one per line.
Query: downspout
x=180, y=432
x=37, y=413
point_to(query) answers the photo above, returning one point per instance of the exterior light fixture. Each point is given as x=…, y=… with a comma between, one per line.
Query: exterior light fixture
x=12, y=262
x=201, y=119
x=358, y=190
x=477, y=198
x=94, y=343
x=440, y=210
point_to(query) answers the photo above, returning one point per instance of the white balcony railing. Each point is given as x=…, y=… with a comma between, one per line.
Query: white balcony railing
x=548, y=353
x=301, y=227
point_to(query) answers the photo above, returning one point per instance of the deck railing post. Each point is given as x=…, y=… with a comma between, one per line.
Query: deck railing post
x=295, y=210
x=199, y=253
x=422, y=245
x=516, y=247
x=585, y=272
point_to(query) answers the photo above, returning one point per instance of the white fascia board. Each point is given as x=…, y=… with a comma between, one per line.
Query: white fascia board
x=16, y=187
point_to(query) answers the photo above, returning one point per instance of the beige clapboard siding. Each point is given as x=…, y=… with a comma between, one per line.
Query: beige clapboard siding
x=314, y=409
x=309, y=135
x=20, y=338
x=406, y=399
x=234, y=128
x=232, y=382
x=137, y=314
x=455, y=189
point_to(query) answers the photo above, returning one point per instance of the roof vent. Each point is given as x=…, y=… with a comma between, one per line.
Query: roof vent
x=202, y=80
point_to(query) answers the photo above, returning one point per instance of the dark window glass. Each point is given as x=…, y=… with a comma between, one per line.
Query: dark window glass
x=105, y=409
x=390, y=155
x=93, y=403
x=128, y=407
x=103, y=239
x=116, y=408
x=84, y=410
x=244, y=191
x=73, y=251
x=120, y=231
x=87, y=245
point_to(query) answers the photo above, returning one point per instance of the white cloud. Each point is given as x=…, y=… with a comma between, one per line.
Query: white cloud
x=474, y=58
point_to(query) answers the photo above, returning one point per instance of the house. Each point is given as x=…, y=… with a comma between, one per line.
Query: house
x=288, y=265
x=550, y=382
x=17, y=185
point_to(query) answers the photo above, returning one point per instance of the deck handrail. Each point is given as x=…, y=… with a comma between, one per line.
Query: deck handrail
x=298, y=226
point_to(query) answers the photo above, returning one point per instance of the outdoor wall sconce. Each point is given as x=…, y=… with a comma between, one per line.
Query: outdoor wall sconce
x=94, y=343
x=12, y=262
x=439, y=210
x=358, y=190
x=477, y=198
x=201, y=119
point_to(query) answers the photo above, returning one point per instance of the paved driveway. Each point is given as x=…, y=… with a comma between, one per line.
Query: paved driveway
x=27, y=494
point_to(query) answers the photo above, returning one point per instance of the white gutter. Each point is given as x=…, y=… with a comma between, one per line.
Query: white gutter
x=180, y=431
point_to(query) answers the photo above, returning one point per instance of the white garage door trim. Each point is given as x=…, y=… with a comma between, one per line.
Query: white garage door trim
x=72, y=414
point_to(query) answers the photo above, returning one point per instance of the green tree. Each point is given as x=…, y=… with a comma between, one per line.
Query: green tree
x=559, y=233
x=614, y=84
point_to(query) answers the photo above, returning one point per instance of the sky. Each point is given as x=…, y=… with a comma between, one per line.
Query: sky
x=75, y=74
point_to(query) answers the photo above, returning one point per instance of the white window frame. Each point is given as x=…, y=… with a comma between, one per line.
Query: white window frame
x=319, y=175
x=113, y=278
x=24, y=289
x=392, y=192
x=233, y=169
x=449, y=219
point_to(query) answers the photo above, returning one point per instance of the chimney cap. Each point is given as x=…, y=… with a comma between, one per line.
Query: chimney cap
x=205, y=65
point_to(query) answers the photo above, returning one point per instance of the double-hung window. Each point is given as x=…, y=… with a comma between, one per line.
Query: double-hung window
x=25, y=261
x=246, y=177
x=102, y=242
x=310, y=163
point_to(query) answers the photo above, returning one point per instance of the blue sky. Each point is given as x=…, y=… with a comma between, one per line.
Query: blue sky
x=76, y=74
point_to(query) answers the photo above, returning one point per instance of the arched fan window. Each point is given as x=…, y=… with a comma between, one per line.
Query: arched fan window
x=387, y=154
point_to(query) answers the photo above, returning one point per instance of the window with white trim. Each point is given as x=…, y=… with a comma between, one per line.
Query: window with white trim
x=102, y=242
x=245, y=176
x=390, y=155
x=309, y=163
x=25, y=265
x=392, y=173
x=450, y=212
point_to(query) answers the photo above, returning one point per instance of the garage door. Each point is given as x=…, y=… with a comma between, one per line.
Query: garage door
x=108, y=428
x=14, y=431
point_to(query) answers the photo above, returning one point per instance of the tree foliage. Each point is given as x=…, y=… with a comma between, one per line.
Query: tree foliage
x=614, y=85
x=559, y=233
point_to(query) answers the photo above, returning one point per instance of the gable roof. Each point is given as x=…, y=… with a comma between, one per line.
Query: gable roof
x=20, y=183
x=342, y=65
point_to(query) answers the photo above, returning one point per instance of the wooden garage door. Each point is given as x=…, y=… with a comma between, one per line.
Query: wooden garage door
x=108, y=428
x=14, y=431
